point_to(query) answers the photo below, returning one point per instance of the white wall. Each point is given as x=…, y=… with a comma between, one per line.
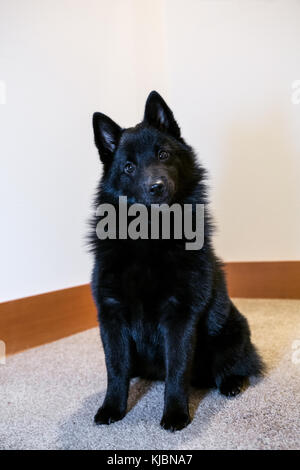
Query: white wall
x=225, y=67
x=230, y=68
x=61, y=61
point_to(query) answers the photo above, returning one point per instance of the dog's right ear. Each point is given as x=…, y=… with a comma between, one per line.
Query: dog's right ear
x=107, y=135
x=159, y=115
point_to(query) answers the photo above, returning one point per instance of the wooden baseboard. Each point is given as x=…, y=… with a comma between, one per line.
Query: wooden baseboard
x=264, y=279
x=32, y=321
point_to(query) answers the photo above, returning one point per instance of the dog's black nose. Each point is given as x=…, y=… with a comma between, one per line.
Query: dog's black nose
x=157, y=188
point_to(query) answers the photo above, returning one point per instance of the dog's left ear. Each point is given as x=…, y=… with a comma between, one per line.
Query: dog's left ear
x=159, y=115
x=107, y=135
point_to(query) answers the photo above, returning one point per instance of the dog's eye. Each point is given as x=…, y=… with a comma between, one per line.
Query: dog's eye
x=129, y=168
x=163, y=155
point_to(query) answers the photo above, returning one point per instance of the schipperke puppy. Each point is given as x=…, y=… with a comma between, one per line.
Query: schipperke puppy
x=164, y=311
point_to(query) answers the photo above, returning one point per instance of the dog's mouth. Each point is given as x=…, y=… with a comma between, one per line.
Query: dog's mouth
x=162, y=199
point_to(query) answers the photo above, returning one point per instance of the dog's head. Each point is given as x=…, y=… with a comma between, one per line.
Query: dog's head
x=149, y=163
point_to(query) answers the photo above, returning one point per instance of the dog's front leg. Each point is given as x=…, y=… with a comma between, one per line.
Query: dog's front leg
x=116, y=343
x=179, y=341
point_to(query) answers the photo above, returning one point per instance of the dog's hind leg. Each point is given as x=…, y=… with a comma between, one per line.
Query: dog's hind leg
x=235, y=357
x=232, y=385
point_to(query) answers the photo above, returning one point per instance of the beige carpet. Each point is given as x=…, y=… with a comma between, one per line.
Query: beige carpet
x=50, y=394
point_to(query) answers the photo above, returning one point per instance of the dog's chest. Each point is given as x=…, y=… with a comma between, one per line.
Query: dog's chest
x=145, y=331
x=145, y=284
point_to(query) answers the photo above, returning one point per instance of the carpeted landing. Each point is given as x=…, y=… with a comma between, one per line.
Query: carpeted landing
x=49, y=396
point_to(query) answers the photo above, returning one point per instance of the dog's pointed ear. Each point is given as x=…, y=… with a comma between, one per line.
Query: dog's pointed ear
x=107, y=135
x=159, y=115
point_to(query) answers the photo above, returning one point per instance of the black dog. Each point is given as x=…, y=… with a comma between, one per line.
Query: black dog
x=164, y=311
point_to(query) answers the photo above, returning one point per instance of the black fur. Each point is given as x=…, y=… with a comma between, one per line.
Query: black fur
x=164, y=311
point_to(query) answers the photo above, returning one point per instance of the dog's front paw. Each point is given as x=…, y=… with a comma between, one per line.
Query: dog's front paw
x=232, y=385
x=108, y=415
x=174, y=421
